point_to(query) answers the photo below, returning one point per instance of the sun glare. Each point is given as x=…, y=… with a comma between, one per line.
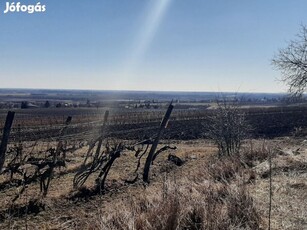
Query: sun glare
x=145, y=37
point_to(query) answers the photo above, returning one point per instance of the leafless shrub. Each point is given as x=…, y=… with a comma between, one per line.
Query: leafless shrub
x=227, y=127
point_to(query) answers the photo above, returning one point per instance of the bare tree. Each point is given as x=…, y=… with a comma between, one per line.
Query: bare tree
x=292, y=62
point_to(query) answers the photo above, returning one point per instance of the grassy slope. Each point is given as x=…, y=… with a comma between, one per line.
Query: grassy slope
x=204, y=193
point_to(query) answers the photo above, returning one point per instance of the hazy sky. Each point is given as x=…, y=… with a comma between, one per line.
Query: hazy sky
x=193, y=45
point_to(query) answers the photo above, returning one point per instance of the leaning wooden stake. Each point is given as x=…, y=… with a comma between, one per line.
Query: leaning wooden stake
x=156, y=142
x=5, y=137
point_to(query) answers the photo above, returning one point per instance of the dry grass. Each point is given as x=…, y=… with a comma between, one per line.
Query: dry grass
x=289, y=174
x=182, y=206
x=204, y=193
x=211, y=197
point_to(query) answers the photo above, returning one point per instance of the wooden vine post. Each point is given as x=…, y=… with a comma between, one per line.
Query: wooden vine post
x=149, y=159
x=5, y=137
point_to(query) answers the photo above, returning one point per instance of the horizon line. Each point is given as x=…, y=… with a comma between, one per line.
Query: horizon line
x=137, y=90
